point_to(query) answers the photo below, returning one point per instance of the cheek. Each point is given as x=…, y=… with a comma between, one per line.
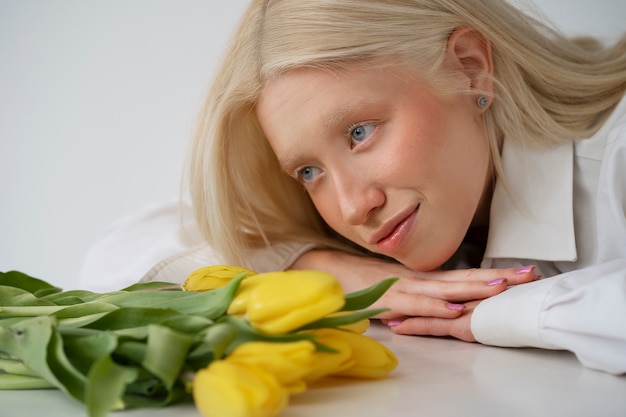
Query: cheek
x=325, y=202
x=423, y=133
x=419, y=154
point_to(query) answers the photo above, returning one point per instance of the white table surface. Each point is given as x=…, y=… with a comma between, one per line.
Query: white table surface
x=436, y=377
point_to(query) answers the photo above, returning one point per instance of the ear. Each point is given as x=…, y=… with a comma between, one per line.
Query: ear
x=469, y=51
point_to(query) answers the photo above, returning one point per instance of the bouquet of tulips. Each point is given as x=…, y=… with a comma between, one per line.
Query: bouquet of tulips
x=237, y=342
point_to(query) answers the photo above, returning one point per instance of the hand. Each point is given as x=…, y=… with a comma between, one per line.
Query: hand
x=435, y=294
x=459, y=327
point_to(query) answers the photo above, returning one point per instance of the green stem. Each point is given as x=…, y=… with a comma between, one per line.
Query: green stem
x=10, y=366
x=28, y=311
x=10, y=381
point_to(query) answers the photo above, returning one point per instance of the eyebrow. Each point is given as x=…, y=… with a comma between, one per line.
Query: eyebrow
x=340, y=116
x=289, y=163
x=293, y=159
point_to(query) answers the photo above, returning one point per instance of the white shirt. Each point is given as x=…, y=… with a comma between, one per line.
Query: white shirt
x=566, y=214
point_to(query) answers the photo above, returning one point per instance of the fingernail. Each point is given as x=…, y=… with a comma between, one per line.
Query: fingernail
x=393, y=323
x=524, y=269
x=456, y=307
x=537, y=277
x=496, y=281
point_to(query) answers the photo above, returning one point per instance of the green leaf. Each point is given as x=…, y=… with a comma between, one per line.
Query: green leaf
x=80, y=321
x=70, y=297
x=85, y=309
x=366, y=297
x=214, y=342
x=186, y=323
x=211, y=304
x=83, y=352
x=324, y=348
x=131, y=317
x=166, y=353
x=13, y=366
x=11, y=381
x=105, y=386
x=130, y=351
x=13, y=296
x=343, y=320
x=79, y=315
x=159, y=398
x=9, y=321
x=246, y=333
x=154, y=286
x=36, y=342
x=146, y=385
x=28, y=311
x=32, y=285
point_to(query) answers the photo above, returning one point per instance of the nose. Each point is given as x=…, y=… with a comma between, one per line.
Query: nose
x=358, y=196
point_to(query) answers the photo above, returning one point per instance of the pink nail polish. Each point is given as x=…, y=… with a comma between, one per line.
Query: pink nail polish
x=456, y=307
x=393, y=323
x=524, y=269
x=537, y=277
x=497, y=281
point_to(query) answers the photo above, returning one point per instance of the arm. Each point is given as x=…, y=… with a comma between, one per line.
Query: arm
x=583, y=311
x=423, y=294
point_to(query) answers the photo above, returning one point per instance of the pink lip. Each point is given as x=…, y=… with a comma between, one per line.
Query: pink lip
x=393, y=234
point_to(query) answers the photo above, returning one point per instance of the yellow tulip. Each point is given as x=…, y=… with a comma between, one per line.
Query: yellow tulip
x=288, y=362
x=212, y=277
x=328, y=363
x=240, y=303
x=280, y=302
x=226, y=389
x=371, y=358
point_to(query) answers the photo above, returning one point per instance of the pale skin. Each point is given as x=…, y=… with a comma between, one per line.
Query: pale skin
x=396, y=169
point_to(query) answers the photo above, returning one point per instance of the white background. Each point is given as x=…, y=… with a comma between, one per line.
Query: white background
x=97, y=105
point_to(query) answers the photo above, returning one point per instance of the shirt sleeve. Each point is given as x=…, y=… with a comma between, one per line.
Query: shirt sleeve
x=161, y=242
x=582, y=311
x=137, y=243
x=177, y=267
x=278, y=257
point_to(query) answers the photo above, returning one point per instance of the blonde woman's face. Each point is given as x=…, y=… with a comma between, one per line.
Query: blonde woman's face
x=387, y=164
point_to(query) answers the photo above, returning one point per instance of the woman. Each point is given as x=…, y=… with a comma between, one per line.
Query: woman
x=408, y=138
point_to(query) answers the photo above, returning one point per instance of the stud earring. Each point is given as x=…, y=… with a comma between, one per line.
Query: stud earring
x=482, y=102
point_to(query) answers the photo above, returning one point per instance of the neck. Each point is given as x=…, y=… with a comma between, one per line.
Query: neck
x=479, y=228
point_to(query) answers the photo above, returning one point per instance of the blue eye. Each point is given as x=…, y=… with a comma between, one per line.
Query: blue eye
x=361, y=132
x=307, y=174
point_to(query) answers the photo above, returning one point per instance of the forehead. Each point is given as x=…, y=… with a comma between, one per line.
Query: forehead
x=302, y=110
x=328, y=90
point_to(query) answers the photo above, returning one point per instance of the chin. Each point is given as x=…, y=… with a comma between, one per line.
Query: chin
x=421, y=266
x=426, y=262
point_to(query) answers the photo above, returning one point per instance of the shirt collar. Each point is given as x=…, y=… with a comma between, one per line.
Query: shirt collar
x=532, y=215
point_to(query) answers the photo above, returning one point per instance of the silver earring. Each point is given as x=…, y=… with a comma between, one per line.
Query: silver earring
x=482, y=102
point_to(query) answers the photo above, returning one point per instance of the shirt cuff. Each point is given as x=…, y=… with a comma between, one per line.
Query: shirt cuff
x=513, y=318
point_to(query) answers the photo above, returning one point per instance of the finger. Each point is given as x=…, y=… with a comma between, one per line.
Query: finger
x=513, y=275
x=453, y=291
x=434, y=326
x=403, y=304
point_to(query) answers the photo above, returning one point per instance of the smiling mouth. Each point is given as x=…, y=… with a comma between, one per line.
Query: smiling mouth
x=394, y=240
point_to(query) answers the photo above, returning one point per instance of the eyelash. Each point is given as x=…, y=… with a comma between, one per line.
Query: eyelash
x=350, y=129
x=297, y=175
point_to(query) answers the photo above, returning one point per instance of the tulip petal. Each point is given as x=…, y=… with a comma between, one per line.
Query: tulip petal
x=285, y=301
x=237, y=390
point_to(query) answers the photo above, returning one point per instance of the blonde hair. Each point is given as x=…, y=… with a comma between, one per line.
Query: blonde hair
x=548, y=89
